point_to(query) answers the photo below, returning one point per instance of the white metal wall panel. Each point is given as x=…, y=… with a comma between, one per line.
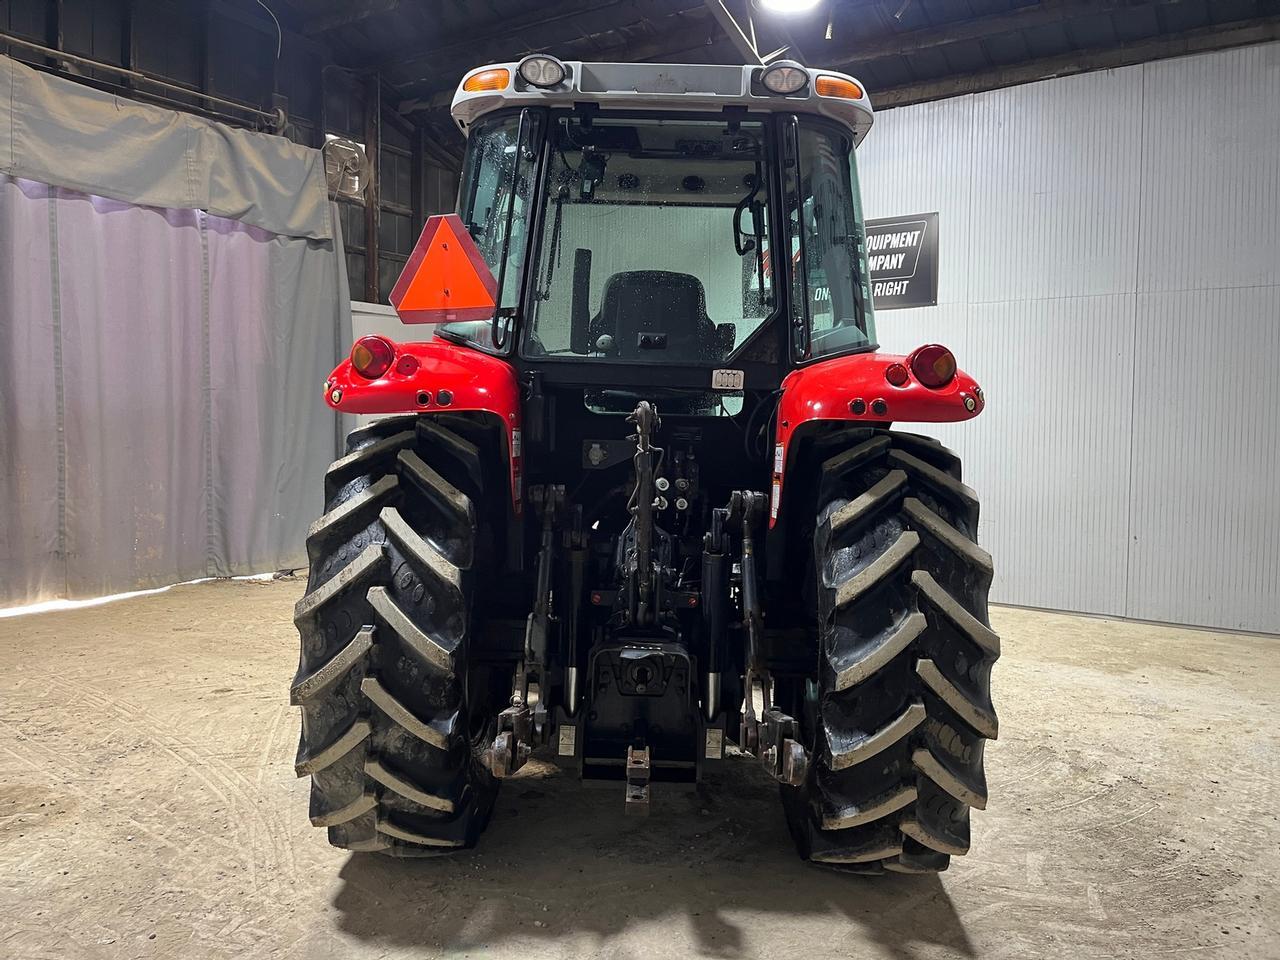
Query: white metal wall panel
x=922, y=166
x=1049, y=459
x=925, y=166
x=1205, y=532
x=1055, y=190
x=1211, y=171
x=901, y=331
x=1110, y=272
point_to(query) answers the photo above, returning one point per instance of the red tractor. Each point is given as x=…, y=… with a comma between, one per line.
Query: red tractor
x=638, y=495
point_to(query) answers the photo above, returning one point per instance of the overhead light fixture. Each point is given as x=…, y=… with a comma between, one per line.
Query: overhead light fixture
x=541, y=71
x=787, y=7
x=784, y=77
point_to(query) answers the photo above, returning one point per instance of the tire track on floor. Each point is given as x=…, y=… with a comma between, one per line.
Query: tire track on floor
x=227, y=782
x=70, y=779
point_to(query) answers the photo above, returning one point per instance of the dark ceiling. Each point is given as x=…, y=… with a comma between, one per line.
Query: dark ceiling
x=902, y=50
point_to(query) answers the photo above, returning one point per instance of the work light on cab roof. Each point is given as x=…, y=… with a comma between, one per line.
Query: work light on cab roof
x=784, y=77
x=541, y=71
x=641, y=487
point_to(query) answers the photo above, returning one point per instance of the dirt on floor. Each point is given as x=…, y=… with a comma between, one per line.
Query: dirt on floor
x=148, y=808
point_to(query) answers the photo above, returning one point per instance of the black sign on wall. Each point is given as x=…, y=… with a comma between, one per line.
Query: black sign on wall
x=903, y=256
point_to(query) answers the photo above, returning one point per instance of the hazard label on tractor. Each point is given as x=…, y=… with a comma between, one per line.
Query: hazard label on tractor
x=446, y=278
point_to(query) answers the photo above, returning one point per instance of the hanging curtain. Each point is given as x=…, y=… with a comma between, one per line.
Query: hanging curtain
x=172, y=295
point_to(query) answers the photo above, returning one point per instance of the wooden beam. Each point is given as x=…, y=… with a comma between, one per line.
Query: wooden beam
x=1203, y=40
x=417, y=170
x=56, y=22
x=55, y=28
x=129, y=40
x=1045, y=13
x=206, y=51
x=346, y=15
x=443, y=144
x=373, y=194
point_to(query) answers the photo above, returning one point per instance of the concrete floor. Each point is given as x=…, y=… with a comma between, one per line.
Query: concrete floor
x=148, y=809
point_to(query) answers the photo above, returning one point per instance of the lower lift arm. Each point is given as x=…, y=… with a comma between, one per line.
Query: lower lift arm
x=773, y=737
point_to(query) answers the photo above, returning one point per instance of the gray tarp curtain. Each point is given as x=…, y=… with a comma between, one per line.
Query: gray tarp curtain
x=160, y=366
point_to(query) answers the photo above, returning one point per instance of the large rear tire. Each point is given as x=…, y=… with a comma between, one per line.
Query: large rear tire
x=393, y=714
x=902, y=705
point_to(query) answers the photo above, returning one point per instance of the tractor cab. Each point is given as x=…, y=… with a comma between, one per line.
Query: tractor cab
x=693, y=228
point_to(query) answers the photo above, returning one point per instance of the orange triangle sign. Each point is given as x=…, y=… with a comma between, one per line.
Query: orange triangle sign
x=446, y=278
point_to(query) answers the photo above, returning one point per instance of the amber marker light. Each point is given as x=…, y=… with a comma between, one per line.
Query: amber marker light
x=496, y=78
x=841, y=87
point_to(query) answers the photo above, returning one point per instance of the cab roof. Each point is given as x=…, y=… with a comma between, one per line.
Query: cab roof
x=660, y=86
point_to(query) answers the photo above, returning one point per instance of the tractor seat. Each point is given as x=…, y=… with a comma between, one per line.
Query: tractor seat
x=656, y=315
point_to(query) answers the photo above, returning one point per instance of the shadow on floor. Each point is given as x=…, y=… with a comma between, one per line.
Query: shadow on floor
x=715, y=868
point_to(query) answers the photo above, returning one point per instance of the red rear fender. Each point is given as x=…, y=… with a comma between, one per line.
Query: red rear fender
x=855, y=388
x=435, y=377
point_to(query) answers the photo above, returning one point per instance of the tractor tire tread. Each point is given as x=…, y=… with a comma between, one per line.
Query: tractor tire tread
x=903, y=706
x=384, y=625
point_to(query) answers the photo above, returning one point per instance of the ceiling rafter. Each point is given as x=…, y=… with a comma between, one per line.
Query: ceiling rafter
x=1083, y=61
x=1045, y=13
x=511, y=31
x=346, y=15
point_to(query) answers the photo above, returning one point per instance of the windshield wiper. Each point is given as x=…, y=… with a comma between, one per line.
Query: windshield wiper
x=557, y=238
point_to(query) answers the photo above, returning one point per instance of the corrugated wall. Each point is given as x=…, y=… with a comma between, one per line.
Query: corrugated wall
x=1110, y=271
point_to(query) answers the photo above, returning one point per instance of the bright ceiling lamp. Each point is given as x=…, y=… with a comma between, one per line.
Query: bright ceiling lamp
x=787, y=7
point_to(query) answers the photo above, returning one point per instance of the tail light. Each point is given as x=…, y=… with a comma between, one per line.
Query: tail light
x=933, y=365
x=896, y=374
x=372, y=357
